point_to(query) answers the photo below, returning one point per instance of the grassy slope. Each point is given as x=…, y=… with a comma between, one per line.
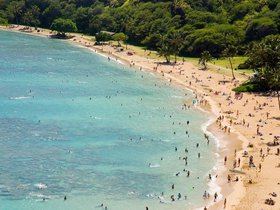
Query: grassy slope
x=222, y=65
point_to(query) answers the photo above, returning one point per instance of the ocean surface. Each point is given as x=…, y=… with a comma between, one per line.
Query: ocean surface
x=74, y=124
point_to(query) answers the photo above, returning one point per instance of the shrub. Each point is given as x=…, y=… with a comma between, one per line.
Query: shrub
x=252, y=87
x=243, y=66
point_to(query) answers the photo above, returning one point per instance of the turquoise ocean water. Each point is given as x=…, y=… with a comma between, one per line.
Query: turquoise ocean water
x=74, y=124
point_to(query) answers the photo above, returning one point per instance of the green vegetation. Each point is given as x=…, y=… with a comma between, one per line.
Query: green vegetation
x=3, y=21
x=228, y=30
x=264, y=58
x=205, y=58
x=170, y=44
x=251, y=87
x=183, y=27
x=120, y=37
x=63, y=25
x=236, y=61
x=103, y=37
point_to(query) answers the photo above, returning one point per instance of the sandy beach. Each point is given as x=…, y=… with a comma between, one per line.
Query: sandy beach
x=248, y=126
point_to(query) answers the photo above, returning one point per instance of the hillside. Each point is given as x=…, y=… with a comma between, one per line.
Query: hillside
x=191, y=26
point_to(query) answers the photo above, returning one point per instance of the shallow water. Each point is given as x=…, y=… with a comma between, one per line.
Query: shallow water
x=74, y=124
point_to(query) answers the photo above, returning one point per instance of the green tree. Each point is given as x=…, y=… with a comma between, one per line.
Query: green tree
x=179, y=7
x=164, y=48
x=63, y=25
x=212, y=39
x=264, y=58
x=103, y=37
x=205, y=58
x=94, y=26
x=15, y=9
x=3, y=21
x=31, y=17
x=117, y=3
x=120, y=37
x=69, y=12
x=261, y=27
x=52, y=12
x=229, y=51
x=176, y=42
x=239, y=11
x=82, y=18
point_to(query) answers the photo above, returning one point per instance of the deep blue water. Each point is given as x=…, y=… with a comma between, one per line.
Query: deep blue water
x=74, y=124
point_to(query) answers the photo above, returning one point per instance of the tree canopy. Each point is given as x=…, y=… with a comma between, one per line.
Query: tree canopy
x=200, y=24
x=120, y=37
x=205, y=57
x=63, y=25
x=264, y=57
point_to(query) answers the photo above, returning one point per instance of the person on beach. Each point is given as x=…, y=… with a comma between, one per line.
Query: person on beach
x=234, y=164
x=229, y=178
x=225, y=203
x=215, y=196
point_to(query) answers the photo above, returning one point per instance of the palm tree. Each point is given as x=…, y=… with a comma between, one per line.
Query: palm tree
x=164, y=48
x=230, y=52
x=265, y=59
x=204, y=58
x=27, y=18
x=175, y=40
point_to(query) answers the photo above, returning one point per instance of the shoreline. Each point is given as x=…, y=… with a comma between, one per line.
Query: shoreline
x=235, y=193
